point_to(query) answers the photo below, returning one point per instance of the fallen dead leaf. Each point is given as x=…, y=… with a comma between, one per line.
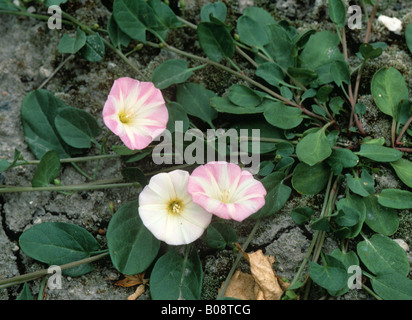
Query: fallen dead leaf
x=241, y=286
x=130, y=281
x=263, y=280
x=265, y=277
x=139, y=291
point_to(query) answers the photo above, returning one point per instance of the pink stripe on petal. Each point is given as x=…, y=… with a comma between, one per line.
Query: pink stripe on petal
x=124, y=85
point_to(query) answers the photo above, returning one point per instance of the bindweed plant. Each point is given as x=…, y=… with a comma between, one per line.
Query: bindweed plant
x=294, y=116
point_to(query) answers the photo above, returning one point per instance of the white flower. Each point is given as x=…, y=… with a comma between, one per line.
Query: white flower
x=167, y=209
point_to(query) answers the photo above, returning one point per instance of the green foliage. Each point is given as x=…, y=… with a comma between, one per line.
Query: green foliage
x=68, y=44
x=132, y=246
x=195, y=99
x=175, y=277
x=47, y=170
x=220, y=235
x=314, y=148
x=296, y=93
x=57, y=243
x=171, y=72
x=389, y=90
x=49, y=124
x=215, y=40
x=94, y=48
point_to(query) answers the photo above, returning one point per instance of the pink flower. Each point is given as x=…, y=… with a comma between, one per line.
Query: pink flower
x=136, y=112
x=225, y=190
x=168, y=211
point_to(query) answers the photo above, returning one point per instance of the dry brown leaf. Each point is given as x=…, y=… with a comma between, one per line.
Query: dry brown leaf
x=263, y=275
x=241, y=286
x=139, y=291
x=130, y=281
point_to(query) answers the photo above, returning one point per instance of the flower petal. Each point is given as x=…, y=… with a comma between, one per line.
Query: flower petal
x=225, y=190
x=175, y=228
x=136, y=112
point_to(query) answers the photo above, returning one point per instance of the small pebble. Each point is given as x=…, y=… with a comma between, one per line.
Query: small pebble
x=392, y=24
x=403, y=244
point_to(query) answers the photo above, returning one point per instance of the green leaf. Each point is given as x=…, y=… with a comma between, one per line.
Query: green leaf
x=266, y=131
x=171, y=72
x=278, y=194
x=49, y=3
x=217, y=9
x=392, y=286
x=134, y=174
x=25, y=294
x=251, y=33
x=331, y=275
x=389, y=90
x=132, y=246
x=271, y=73
x=176, y=113
x=368, y=51
x=379, y=153
x=348, y=259
x=195, y=99
x=127, y=14
x=336, y=104
x=244, y=96
x=220, y=235
x=382, y=255
x=164, y=14
x=403, y=169
x=340, y=72
x=408, y=36
x=304, y=75
x=224, y=105
x=310, y=180
x=47, y=170
x=347, y=217
x=342, y=158
x=265, y=168
x=337, y=12
x=215, y=40
x=174, y=277
x=263, y=17
x=380, y=219
x=5, y=165
x=314, y=148
x=363, y=185
x=321, y=49
x=94, y=49
x=280, y=46
x=57, y=243
x=68, y=44
x=395, y=198
x=38, y=112
x=6, y=5
x=355, y=203
x=302, y=215
x=76, y=127
x=282, y=116
x=117, y=36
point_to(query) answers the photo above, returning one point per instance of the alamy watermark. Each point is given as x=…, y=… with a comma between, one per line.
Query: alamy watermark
x=196, y=147
x=55, y=280
x=55, y=21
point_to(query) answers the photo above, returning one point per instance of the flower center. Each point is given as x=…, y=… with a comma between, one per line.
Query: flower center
x=175, y=207
x=125, y=117
x=224, y=196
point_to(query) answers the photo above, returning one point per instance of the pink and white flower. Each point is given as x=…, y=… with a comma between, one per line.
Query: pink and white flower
x=226, y=190
x=167, y=209
x=136, y=112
